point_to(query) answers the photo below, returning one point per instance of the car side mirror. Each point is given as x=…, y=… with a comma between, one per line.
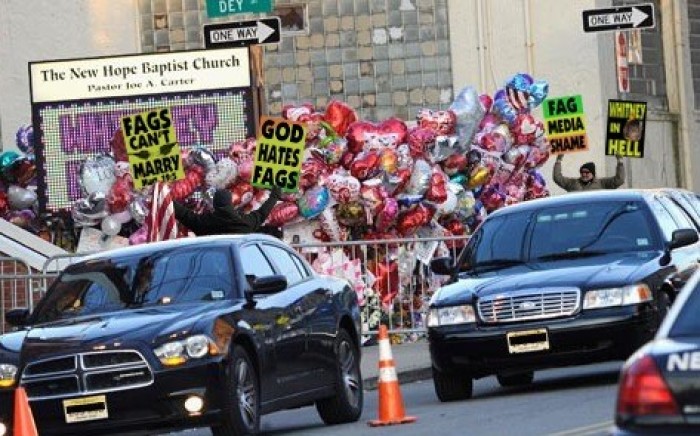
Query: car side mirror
x=683, y=237
x=17, y=317
x=267, y=285
x=442, y=266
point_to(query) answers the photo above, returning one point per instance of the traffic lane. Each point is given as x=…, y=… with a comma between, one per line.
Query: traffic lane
x=573, y=401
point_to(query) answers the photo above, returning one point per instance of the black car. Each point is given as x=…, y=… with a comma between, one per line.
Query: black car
x=659, y=390
x=211, y=331
x=567, y=280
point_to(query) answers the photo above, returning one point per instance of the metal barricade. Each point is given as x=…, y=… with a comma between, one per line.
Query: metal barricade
x=392, y=277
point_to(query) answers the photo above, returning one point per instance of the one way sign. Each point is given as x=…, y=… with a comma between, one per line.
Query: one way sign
x=242, y=33
x=622, y=18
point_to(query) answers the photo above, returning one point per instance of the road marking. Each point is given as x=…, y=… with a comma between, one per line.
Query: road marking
x=587, y=430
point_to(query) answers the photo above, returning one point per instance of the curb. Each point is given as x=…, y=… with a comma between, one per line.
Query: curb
x=410, y=376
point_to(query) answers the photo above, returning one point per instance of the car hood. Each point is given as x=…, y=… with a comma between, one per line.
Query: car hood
x=146, y=325
x=585, y=273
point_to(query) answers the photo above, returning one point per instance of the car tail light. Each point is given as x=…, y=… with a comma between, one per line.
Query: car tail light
x=644, y=392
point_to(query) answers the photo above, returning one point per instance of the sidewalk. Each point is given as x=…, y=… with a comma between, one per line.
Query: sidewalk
x=412, y=362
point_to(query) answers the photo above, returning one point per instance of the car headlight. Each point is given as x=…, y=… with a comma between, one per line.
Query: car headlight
x=623, y=296
x=8, y=374
x=178, y=352
x=451, y=315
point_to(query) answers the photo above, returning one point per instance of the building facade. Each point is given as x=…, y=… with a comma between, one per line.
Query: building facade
x=393, y=57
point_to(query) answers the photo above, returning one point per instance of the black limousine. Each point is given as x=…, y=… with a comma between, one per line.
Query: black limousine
x=567, y=280
x=211, y=331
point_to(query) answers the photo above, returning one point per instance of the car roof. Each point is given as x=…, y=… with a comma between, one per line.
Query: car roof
x=576, y=198
x=144, y=249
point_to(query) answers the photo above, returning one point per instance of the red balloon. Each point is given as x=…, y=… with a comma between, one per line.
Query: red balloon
x=282, y=213
x=419, y=139
x=486, y=102
x=4, y=203
x=241, y=194
x=411, y=220
x=440, y=122
x=194, y=177
x=311, y=170
x=118, y=146
x=386, y=279
x=454, y=164
x=294, y=113
x=365, y=166
x=437, y=190
x=119, y=196
x=393, y=131
x=340, y=116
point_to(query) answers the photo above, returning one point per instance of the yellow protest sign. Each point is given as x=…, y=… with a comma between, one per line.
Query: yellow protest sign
x=153, y=150
x=278, y=154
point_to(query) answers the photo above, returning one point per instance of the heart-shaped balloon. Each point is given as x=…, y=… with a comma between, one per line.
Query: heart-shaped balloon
x=469, y=112
x=365, y=165
x=517, y=156
x=312, y=170
x=387, y=213
x=411, y=220
x=116, y=143
x=437, y=188
x=202, y=157
x=536, y=158
x=478, y=177
x=340, y=116
x=25, y=139
x=391, y=133
x=140, y=236
x=119, y=196
x=181, y=189
x=419, y=139
x=492, y=197
x=97, y=174
x=524, y=129
x=372, y=195
x=241, y=194
x=343, y=187
x=440, y=122
x=454, y=164
x=4, y=203
x=242, y=151
x=283, y=213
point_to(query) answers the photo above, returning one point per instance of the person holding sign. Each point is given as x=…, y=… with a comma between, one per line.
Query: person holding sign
x=587, y=180
x=225, y=219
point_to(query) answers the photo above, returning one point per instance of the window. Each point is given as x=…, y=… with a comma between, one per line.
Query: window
x=500, y=238
x=679, y=216
x=254, y=262
x=664, y=218
x=688, y=322
x=647, y=75
x=283, y=259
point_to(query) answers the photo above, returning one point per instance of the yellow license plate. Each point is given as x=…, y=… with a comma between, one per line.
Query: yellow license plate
x=85, y=409
x=527, y=341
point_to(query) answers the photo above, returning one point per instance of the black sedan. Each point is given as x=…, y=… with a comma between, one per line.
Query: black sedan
x=659, y=391
x=211, y=331
x=568, y=280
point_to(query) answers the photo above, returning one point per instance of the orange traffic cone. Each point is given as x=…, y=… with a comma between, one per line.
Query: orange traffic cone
x=23, y=421
x=391, y=410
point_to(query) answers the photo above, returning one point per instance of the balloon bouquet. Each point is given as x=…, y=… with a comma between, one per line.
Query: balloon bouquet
x=360, y=180
x=18, y=196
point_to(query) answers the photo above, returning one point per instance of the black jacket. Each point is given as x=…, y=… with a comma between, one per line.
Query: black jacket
x=224, y=220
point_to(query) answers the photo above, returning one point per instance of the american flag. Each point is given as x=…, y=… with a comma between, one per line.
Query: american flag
x=161, y=218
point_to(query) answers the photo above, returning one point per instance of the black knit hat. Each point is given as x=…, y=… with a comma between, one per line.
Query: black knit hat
x=590, y=166
x=222, y=198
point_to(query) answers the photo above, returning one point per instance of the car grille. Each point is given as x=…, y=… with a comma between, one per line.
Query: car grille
x=529, y=304
x=86, y=373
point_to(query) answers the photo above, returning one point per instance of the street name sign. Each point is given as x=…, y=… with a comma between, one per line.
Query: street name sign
x=242, y=33
x=222, y=8
x=623, y=18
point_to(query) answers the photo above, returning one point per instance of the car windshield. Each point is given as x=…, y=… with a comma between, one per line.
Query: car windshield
x=687, y=323
x=561, y=232
x=124, y=283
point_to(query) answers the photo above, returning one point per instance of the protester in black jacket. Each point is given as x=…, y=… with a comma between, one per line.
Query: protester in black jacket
x=225, y=219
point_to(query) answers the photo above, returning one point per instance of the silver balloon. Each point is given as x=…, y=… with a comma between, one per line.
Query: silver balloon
x=110, y=226
x=443, y=147
x=202, y=157
x=138, y=210
x=20, y=198
x=420, y=178
x=97, y=174
x=469, y=113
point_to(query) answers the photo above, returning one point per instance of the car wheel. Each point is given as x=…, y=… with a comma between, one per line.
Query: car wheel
x=346, y=406
x=241, y=411
x=520, y=379
x=451, y=386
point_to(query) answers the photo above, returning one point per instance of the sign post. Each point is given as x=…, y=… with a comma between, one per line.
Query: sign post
x=242, y=33
x=222, y=8
x=622, y=18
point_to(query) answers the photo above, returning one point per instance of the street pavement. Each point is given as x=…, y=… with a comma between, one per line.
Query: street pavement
x=412, y=362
